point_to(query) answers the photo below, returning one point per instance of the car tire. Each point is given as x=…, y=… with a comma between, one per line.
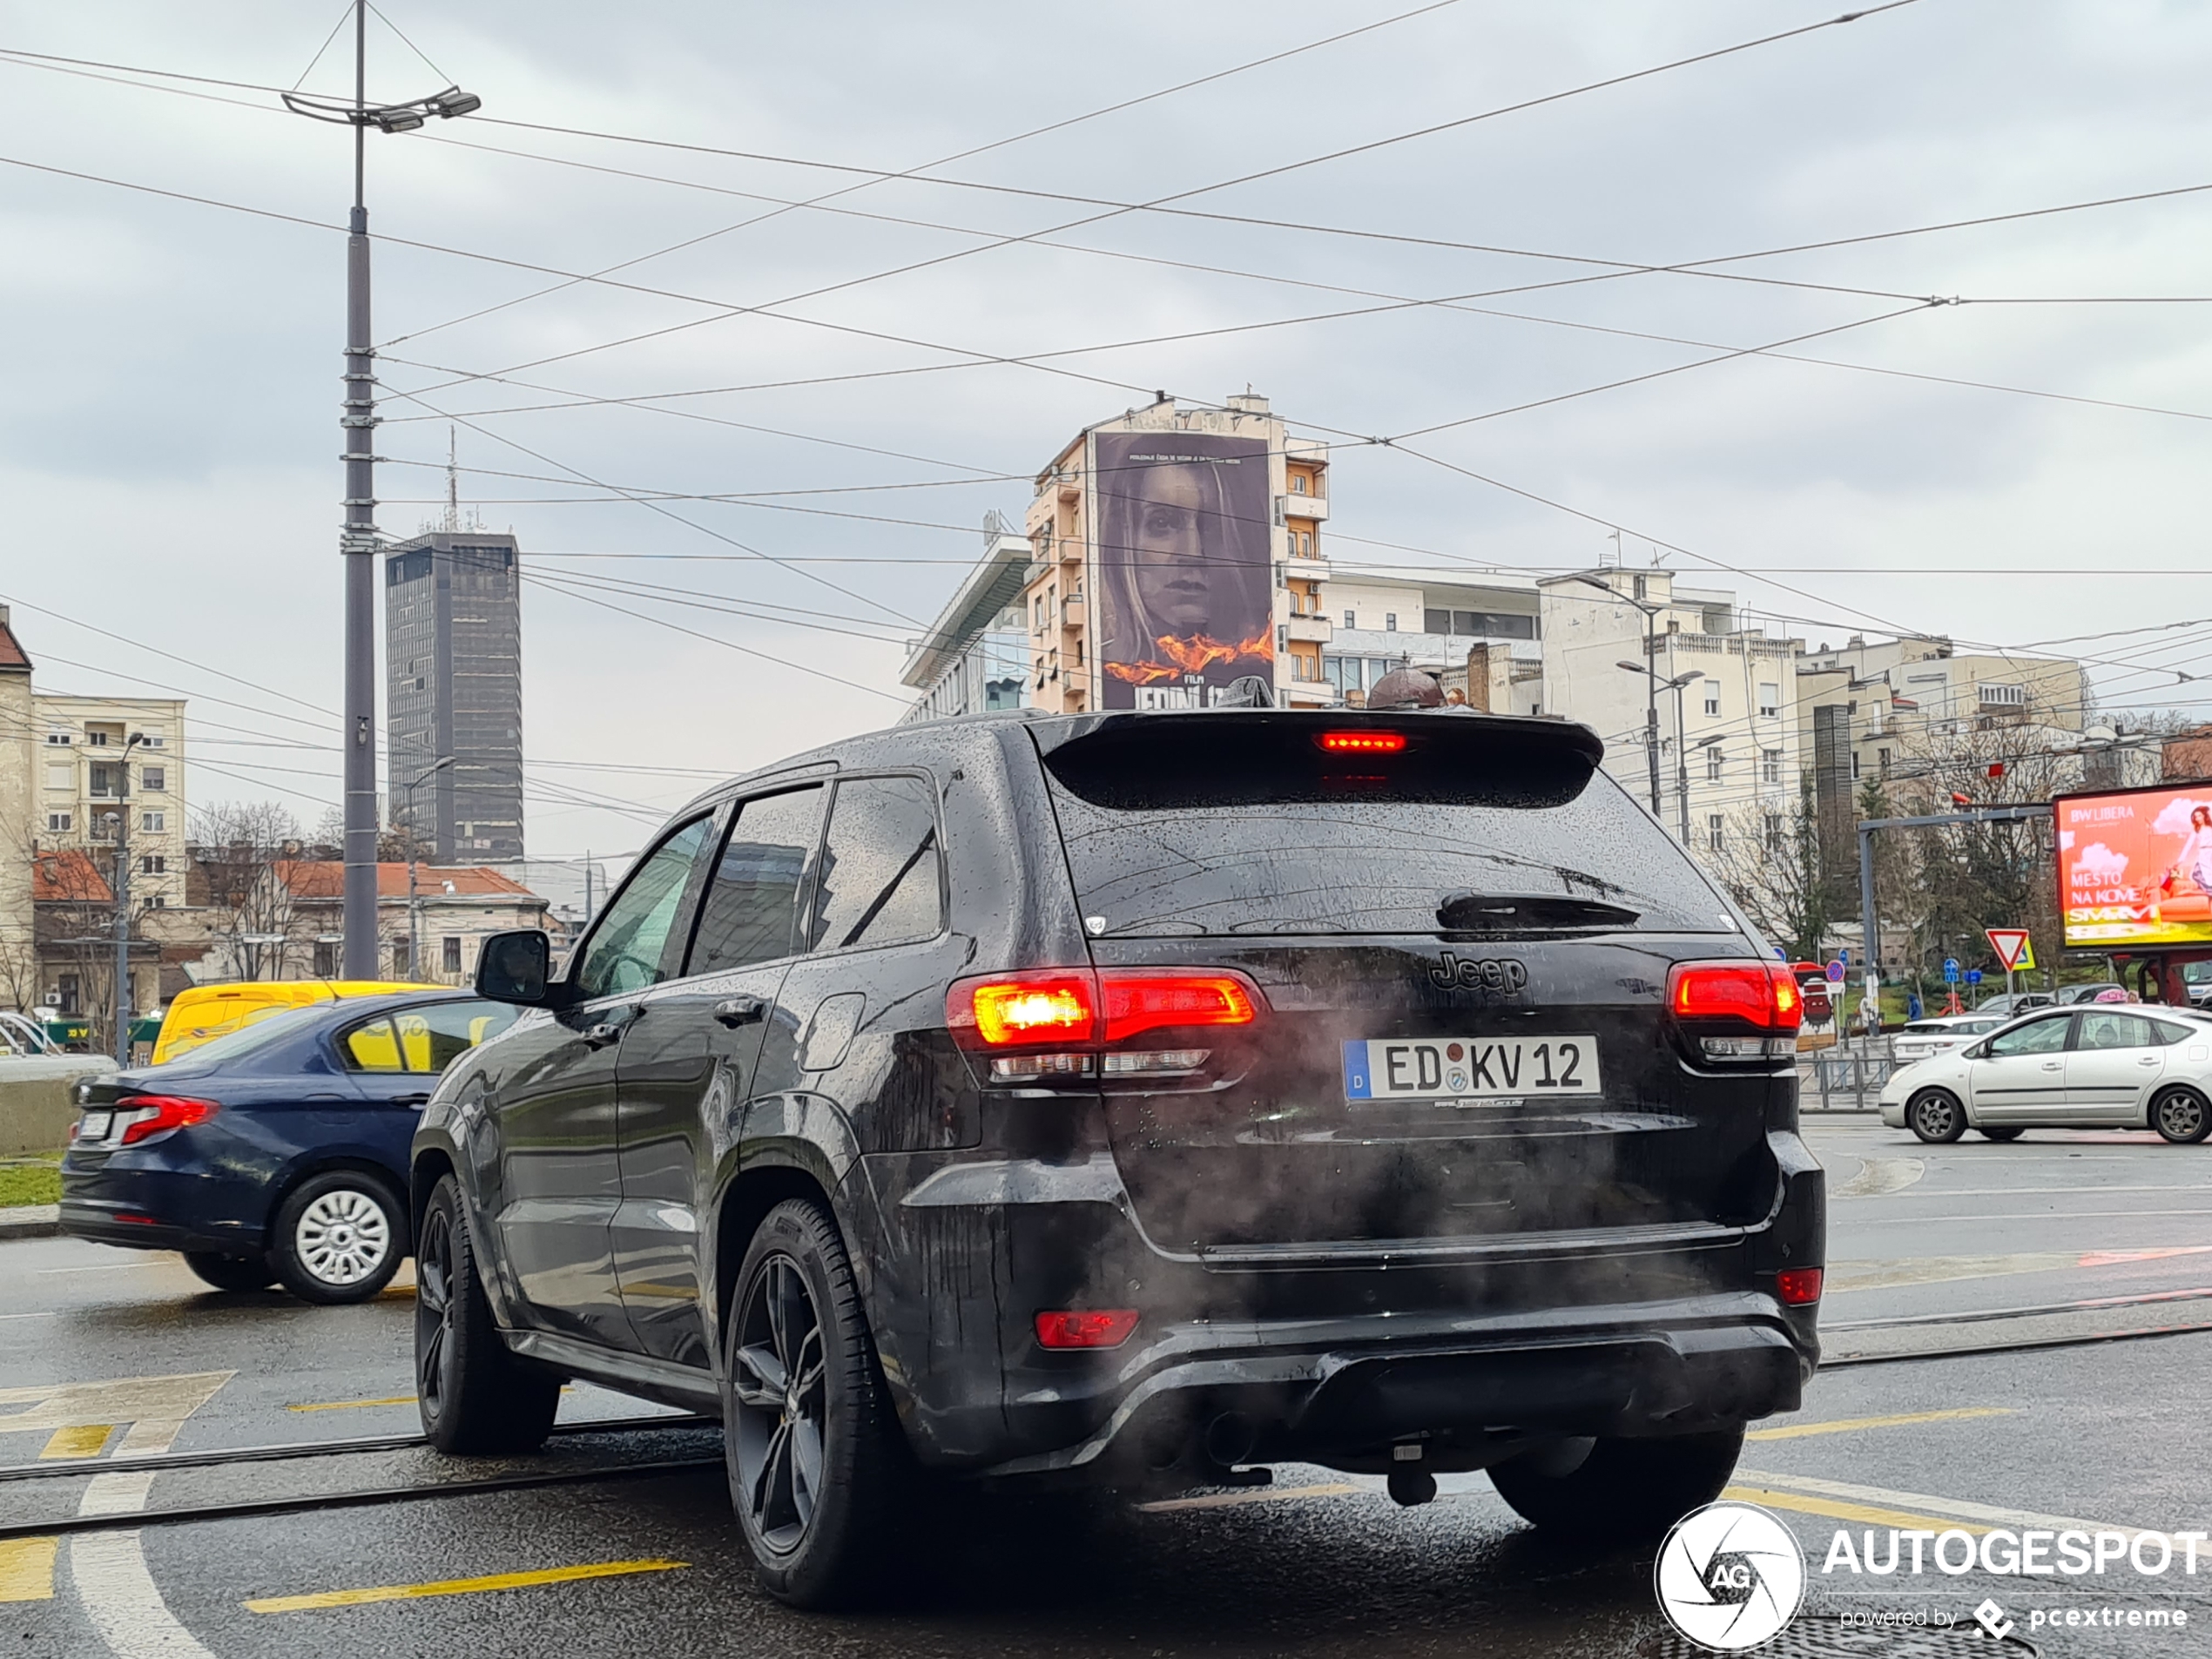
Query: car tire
x=230, y=1273
x=2182, y=1117
x=1936, y=1116
x=474, y=1397
x=820, y=1474
x=2000, y=1134
x=339, y=1237
x=1618, y=1490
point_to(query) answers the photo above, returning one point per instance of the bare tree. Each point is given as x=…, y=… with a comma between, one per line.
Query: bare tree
x=1770, y=864
x=259, y=930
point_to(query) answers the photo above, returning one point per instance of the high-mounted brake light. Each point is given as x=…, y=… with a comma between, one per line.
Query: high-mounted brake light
x=1362, y=743
x=1086, y=1327
x=157, y=1113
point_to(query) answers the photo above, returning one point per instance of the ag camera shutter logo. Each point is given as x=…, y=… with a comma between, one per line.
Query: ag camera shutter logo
x=1730, y=1576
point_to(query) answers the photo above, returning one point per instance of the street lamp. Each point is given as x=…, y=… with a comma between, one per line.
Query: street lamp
x=122, y=885
x=358, y=542
x=1651, y=650
x=1657, y=684
x=413, y=908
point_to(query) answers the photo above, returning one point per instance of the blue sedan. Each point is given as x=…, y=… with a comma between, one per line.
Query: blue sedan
x=277, y=1153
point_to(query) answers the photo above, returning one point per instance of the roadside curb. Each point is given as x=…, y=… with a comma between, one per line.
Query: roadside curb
x=32, y=1221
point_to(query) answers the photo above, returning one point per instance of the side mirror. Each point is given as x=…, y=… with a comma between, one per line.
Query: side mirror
x=515, y=967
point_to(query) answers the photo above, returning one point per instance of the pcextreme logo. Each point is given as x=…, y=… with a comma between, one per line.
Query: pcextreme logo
x=1730, y=1576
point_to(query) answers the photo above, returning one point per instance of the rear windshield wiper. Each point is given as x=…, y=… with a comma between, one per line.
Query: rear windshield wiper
x=1498, y=911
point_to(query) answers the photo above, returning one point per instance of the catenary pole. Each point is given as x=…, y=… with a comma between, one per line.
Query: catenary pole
x=357, y=545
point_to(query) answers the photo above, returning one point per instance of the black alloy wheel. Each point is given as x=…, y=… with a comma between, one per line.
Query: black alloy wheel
x=782, y=1389
x=820, y=1476
x=2181, y=1116
x=474, y=1396
x=1936, y=1116
x=230, y=1273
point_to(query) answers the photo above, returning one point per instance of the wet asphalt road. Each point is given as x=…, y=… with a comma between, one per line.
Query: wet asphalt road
x=2112, y=1435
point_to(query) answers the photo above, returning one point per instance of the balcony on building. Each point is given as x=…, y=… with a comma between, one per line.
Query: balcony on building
x=1310, y=630
x=1313, y=508
x=1071, y=612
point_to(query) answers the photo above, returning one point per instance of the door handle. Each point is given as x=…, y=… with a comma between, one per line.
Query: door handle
x=2050, y=1065
x=2146, y=1059
x=410, y=1100
x=734, y=1011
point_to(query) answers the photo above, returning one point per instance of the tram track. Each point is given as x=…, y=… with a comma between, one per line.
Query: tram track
x=529, y=1479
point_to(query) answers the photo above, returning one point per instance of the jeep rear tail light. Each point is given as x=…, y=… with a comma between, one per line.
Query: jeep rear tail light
x=1078, y=1023
x=1086, y=1327
x=153, y=1115
x=1736, y=1012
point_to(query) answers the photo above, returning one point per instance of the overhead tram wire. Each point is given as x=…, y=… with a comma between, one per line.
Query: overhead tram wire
x=944, y=161
x=1276, y=172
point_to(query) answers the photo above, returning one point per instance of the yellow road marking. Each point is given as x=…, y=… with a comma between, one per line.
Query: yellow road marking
x=27, y=1568
x=349, y=1405
x=77, y=1439
x=1837, y=1510
x=1846, y=1425
x=1255, y=1494
x=458, y=1586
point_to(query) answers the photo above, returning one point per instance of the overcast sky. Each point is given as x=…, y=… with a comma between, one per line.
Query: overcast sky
x=168, y=437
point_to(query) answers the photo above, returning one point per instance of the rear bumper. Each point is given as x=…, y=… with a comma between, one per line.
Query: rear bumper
x=112, y=1203
x=1345, y=1395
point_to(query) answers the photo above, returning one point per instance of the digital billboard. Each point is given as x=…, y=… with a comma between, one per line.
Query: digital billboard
x=2135, y=867
x=1185, y=596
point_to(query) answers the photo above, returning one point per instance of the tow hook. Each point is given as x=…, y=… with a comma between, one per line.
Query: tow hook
x=1410, y=1484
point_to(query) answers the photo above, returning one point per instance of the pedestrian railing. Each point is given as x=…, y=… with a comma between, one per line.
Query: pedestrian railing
x=1847, y=1078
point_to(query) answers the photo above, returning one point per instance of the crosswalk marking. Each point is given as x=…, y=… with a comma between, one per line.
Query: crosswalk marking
x=27, y=1568
x=457, y=1586
x=77, y=1439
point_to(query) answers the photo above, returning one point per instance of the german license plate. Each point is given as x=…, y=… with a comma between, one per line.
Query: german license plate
x=94, y=1126
x=1469, y=1068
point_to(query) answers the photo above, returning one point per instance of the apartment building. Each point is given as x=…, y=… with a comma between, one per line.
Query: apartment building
x=1174, y=551
x=1728, y=752
x=976, y=656
x=102, y=757
x=1478, y=637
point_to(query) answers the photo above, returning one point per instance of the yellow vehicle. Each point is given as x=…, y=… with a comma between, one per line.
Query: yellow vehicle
x=206, y=1012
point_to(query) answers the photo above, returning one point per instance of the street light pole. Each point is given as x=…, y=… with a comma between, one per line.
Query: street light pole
x=358, y=541
x=1651, y=698
x=122, y=886
x=414, y=905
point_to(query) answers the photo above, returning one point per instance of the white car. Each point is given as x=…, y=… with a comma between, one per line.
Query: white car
x=1941, y=1032
x=2101, y=1066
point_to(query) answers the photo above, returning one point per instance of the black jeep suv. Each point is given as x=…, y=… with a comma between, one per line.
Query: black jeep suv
x=1140, y=1098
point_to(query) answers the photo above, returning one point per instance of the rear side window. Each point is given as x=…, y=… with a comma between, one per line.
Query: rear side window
x=371, y=1046
x=881, y=880
x=423, y=1040
x=751, y=911
x=1226, y=828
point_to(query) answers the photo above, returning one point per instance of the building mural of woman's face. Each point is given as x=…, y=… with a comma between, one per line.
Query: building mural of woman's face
x=1168, y=557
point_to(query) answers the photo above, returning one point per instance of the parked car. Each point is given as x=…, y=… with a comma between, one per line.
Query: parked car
x=2010, y=1004
x=202, y=1012
x=2097, y=1066
x=1920, y=1038
x=1136, y=1098
x=2069, y=994
x=277, y=1154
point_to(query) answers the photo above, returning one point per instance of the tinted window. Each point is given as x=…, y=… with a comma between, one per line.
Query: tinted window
x=1573, y=852
x=2165, y=1034
x=432, y=1038
x=2116, y=1031
x=879, y=882
x=751, y=907
x=624, y=951
x=371, y=1046
x=269, y=1026
x=2042, y=1036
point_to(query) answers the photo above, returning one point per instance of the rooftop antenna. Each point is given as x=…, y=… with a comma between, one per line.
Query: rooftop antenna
x=452, y=485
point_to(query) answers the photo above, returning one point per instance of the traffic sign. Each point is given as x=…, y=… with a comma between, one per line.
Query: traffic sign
x=1951, y=970
x=1843, y=955
x=1973, y=976
x=1834, y=971
x=2011, y=946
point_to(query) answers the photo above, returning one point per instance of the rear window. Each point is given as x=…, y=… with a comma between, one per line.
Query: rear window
x=1190, y=825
